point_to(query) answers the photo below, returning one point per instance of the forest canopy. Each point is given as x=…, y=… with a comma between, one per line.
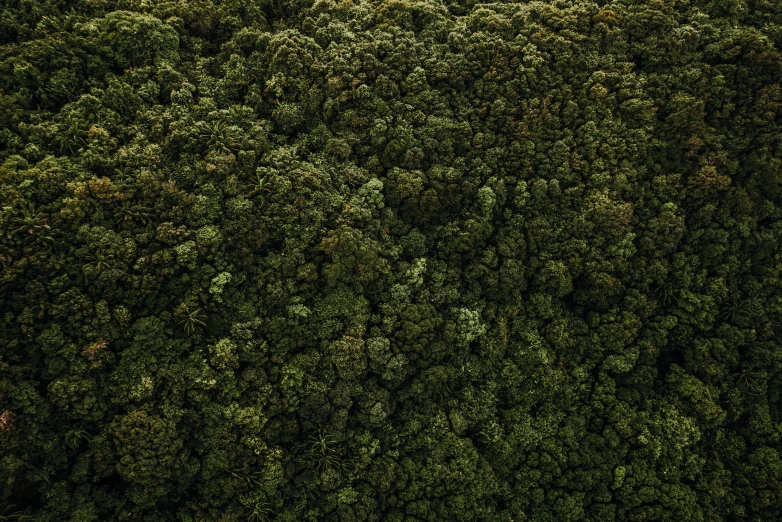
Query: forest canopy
x=390, y=260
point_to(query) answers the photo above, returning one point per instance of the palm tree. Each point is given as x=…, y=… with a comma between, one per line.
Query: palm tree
x=43, y=237
x=736, y=308
x=251, y=478
x=325, y=452
x=34, y=225
x=442, y=390
x=100, y=260
x=218, y=137
x=130, y=212
x=74, y=437
x=748, y=379
x=192, y=318
x=262, y=185
x=71, y=137
x=9, y=512
x=665, y=291
x=30, y=221
x=124, y=177
x=260, y=513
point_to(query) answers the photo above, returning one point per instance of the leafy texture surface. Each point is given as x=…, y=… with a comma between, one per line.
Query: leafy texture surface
x=390, y=260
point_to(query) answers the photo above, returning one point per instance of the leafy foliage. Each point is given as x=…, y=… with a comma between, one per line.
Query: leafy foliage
x=405, y=260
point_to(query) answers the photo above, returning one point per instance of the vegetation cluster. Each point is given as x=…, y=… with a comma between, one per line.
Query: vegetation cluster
x=390, y=260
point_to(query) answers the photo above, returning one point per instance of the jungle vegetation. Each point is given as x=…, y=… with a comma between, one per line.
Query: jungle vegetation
x=390, y=260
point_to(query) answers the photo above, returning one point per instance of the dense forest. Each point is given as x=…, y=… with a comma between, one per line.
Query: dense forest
x=390, y=260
